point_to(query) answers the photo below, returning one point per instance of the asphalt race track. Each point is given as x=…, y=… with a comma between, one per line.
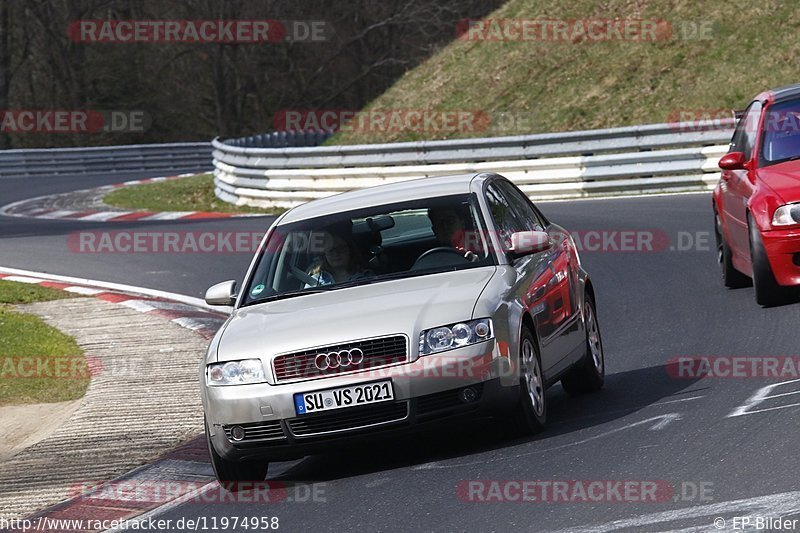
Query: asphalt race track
x=646, y=425
x=43, y=245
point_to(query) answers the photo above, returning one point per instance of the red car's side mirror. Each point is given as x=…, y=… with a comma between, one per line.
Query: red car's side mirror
x=732, y=161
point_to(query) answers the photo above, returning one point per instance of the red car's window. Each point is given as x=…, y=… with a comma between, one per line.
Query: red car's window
x=781, y=132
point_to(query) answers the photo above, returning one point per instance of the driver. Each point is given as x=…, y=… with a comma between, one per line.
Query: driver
x=448, y=225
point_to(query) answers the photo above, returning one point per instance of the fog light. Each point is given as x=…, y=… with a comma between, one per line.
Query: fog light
x=237, y=433
x=468, y=395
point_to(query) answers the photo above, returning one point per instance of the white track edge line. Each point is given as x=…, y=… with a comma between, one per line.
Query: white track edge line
x=144, y=291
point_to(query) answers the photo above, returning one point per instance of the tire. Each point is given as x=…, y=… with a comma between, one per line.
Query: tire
x=767, y=291
x=530, y=413
x=731, y=278
x=230, y=474
x=589, y=374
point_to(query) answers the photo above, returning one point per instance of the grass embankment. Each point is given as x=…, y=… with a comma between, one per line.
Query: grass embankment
x=38, y=363
x=194, y=193
x=574, y=84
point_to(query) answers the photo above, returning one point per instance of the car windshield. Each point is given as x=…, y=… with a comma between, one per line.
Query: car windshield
x=370, y=245
x=782, y=132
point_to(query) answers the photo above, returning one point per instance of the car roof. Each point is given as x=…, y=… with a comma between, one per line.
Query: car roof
x=404, y=191
x=780, y=93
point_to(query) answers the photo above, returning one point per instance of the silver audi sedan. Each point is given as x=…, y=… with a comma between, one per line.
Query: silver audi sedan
x=390, y=307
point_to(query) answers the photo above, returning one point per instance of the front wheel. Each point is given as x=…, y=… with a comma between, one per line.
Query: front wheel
x=589, y=374
x=531, y=411
x=230, y=474
x=768, y=292
x=731, y=278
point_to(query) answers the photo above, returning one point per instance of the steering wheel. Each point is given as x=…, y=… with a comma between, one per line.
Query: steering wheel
x=444, y=250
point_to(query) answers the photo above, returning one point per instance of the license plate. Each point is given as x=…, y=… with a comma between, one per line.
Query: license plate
x=355, y=395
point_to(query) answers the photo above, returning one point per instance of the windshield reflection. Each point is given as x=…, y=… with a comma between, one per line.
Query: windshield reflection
x=370, y=245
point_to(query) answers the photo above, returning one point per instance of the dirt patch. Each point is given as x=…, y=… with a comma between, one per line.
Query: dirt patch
x=25, y=425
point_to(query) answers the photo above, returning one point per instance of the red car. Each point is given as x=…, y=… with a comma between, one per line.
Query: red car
x=757, y=200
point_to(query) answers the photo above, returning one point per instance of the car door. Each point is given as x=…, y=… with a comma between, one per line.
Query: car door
x=737, y=185
x=562, y=289
x=536, y=284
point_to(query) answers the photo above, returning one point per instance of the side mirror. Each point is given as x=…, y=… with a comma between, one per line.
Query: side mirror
x=529, y=242
x=732, y=161
x=222, y=293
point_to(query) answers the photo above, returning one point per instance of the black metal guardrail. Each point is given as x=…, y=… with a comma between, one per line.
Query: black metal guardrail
x=281, y=139
x=159, y=158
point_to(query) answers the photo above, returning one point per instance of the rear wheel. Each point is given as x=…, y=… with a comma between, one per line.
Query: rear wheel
x=767, y=290
x=232, y=474
x=731, y=278
x=589, y=374
x=531, y=411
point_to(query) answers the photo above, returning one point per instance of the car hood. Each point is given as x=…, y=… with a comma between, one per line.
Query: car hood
x=404, y=306
x=784, y=179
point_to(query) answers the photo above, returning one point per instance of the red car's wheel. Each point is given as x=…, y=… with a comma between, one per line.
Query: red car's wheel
x=731, y=278
x=768, y=292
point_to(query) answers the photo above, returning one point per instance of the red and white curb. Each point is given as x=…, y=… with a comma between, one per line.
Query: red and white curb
x=183, y=474
x=135, y=500
x=31, y=208
x=185, y=311
x=179, y=476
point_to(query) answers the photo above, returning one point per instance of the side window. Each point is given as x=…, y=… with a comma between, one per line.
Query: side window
x=522, y=207
x=737, y=141
x=738, y=134
x=506, y=220
x=744, y=137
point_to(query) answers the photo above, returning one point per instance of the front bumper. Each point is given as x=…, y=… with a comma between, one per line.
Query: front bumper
x=783, y=251
x=425, y=390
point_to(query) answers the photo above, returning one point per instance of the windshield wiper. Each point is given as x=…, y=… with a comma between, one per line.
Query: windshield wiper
x=289, y=294
x=376, y=279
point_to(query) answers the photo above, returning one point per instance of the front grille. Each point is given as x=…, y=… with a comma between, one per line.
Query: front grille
x=445, y=401
x=349, y=419
x=378, y=352
x=257, y=432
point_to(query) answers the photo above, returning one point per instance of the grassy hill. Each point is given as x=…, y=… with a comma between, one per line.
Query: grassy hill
x=530, y=87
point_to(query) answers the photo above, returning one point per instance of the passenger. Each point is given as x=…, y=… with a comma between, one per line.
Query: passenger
x=340, y=261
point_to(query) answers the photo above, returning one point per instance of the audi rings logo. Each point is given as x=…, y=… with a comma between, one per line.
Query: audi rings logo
x=340, y=359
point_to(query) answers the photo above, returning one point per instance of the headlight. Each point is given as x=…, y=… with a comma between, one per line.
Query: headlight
x=455, y=336
x=235, y=372
x=787, y=215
